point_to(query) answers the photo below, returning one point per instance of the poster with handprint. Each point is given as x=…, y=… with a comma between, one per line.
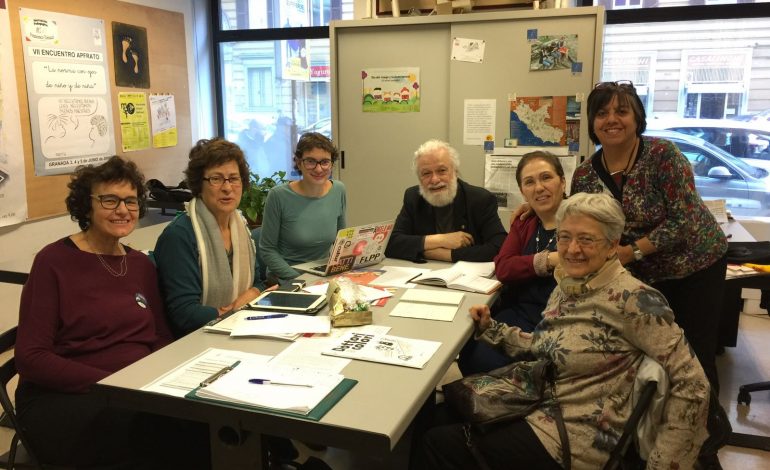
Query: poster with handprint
x=65, y=60
x=129, y=50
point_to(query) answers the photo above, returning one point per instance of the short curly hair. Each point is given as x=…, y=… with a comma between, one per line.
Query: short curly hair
x=314, y=140
x=115, y=170
x=207, y=153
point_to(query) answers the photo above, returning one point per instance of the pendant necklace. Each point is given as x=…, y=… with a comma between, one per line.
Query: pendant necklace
x=123, y=264
x=628, y=162
x=537, y=237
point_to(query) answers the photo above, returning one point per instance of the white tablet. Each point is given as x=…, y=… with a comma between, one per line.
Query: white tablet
x=289, y=302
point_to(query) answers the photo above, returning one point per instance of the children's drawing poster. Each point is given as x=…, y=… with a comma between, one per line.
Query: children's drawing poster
x=65, y=61
x=390, y=90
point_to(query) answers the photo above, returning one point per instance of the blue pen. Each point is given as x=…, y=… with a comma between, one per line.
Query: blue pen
x=266, y=317
x=273, y=382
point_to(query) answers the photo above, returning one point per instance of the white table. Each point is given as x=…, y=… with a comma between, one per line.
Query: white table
x=370, y=419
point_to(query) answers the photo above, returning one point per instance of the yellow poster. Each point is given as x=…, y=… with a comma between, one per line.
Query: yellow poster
x=163, y=111
x=134, y=121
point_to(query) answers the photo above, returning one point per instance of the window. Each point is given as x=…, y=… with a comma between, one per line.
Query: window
x=273, y=69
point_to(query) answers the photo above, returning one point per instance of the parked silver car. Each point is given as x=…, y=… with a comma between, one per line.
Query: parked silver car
x=740, y=139
x=719, y=175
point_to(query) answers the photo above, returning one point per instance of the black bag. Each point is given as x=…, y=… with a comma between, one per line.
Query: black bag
x=161, y=192
x=510, y=392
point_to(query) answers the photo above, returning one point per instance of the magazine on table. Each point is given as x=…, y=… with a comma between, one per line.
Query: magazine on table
x=387, y=349
x=428, y=304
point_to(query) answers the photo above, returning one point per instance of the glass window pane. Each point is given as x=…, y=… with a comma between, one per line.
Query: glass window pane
x=263, y=14
x=273, y=92
x=706, y=81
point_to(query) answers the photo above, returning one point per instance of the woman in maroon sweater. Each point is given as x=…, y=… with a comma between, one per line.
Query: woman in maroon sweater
x=526, y=260
x=90, y=307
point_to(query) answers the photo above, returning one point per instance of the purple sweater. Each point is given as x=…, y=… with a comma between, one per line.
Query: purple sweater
x=78, y=323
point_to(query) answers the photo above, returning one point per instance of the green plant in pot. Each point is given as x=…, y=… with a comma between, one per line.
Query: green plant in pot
x=253, y=199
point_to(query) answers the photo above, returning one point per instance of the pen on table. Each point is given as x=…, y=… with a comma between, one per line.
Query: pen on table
x=266, y=317
x=273, y=382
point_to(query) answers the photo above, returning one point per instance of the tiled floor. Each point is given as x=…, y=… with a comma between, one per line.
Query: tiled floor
x=748, y=362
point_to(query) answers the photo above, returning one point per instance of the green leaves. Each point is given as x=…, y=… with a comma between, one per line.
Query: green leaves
x=253, y=198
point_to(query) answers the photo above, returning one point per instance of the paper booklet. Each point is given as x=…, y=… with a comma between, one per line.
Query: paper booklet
x=428, y=304
x=463, y=275
x=226, y=323
x=259, y=324
x=387, y=349
x=275, y=388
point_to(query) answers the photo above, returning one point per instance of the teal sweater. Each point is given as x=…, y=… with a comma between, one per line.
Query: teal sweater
x=296, y=228
x=179, y=273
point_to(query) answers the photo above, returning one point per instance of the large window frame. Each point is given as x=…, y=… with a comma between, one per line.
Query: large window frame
x=220, y=36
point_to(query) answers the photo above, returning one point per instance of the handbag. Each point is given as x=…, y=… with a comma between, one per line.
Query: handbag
x=505, y=394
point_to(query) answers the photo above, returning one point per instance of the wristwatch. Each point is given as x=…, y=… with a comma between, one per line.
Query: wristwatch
x=637, y=252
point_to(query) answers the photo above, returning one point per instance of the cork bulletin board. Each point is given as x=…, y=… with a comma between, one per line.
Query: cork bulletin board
x=167, y=58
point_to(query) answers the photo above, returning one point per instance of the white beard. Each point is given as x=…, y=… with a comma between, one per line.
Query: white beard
x=441, y=198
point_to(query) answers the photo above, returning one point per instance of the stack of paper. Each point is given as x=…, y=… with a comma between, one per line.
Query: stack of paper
x=383, y=348
x=428, y=304
x=258, y=384
x=227, y=322
x=258, y=324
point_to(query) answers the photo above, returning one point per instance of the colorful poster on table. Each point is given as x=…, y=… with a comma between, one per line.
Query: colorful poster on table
x=391, y=90
x=134, y=121
x=65, y=60
x=13, y=195
x=295, y=53
x=163, y=111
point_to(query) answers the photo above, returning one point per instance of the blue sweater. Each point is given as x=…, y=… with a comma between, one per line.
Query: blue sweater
x=179, y=272
x=297, y=228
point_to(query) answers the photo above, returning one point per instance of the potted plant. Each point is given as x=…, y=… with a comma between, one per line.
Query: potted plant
x=253, y=199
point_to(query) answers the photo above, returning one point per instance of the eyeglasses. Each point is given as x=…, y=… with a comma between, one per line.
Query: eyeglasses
x=111, y=202
x=583, y=240
x=618, y=84
x=219, y=180
x=311, y=163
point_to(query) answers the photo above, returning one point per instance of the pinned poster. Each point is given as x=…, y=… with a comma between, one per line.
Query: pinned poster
x=163, y=111
x=134, y=121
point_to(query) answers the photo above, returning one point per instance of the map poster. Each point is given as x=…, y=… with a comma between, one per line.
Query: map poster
x=65, y=61
x=391, y=90
x=13, y=194
x=542, y=120
x=134, y=121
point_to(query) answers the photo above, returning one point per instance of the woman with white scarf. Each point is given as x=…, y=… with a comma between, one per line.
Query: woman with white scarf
x=206, y=258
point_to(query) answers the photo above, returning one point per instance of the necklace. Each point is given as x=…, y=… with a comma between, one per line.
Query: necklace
x=545, y=233
x=628, y=161
x=123, y=264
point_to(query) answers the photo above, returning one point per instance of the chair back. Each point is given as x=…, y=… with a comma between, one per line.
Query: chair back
x=7, y=372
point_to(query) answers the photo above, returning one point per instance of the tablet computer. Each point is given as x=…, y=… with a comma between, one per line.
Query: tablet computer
x=289, y=302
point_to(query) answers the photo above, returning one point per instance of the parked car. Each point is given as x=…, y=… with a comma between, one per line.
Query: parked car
x=742, y=139
x=323, y=126
x=719, y=175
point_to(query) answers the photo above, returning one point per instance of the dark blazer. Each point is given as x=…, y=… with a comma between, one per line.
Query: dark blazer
x=474, y=211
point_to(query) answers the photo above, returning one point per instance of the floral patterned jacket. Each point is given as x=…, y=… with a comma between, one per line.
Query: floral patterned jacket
x=660, y=202
x=597, y=332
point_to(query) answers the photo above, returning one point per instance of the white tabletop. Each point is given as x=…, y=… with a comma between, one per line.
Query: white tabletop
x=374, y=415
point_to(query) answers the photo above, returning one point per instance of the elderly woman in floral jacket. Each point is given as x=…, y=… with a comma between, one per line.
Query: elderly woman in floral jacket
x=599, y=324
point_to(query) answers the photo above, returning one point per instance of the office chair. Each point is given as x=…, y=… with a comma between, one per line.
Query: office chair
x=19, y=455
x=751, y=441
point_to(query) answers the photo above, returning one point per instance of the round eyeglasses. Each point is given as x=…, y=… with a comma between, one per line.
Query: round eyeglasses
x=583, y=240
x=311, y=163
